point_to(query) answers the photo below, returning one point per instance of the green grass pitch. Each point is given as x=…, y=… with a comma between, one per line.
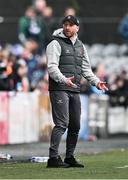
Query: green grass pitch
x=109, y=165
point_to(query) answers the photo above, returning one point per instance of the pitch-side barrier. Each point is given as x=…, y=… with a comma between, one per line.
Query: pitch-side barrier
x=27, y=117
x=105, y=120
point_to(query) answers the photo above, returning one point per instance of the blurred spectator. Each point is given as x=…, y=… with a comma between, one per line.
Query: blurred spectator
x=49, y=22
x=39, y=5
x=6, y=71
x=31, y=61
x=43, y=84
x=40, y=76
x=123, y=28
x=21, y=82
x=31, y=46
x=48, y=12
x=100, y=72
x=32, y=26
x=17, y=50
x=119, y=90
x=69, y=11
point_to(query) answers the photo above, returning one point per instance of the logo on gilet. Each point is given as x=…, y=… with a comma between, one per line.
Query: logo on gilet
x=67, y=51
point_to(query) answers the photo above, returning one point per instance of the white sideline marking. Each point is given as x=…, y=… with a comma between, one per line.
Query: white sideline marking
x=122, y=167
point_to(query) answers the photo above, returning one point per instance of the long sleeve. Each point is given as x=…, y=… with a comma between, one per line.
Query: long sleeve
x=53, y=53
x=87, y=71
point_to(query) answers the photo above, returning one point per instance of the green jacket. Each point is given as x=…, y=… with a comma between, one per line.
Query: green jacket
x=31, y=28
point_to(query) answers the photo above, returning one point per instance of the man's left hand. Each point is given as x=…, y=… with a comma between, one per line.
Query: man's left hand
x=102, y=86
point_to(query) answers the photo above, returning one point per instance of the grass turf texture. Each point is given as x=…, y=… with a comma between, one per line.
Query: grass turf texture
x=99, y=166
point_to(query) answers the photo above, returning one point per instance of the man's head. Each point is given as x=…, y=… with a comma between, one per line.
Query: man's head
x=30, y=12
x=70, y=26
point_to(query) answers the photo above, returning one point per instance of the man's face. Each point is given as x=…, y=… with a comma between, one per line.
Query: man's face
x=70, y=29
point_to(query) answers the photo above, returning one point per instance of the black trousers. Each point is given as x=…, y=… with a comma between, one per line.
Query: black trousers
x=66, y=110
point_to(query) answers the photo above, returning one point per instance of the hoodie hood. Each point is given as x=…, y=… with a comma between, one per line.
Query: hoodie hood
x=59, y=33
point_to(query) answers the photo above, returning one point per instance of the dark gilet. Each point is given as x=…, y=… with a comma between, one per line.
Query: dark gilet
x=70, y=64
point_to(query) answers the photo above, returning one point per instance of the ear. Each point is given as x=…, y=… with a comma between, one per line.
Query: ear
x=77, y=28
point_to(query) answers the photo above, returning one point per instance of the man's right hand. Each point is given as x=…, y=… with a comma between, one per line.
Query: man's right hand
x=70, y=83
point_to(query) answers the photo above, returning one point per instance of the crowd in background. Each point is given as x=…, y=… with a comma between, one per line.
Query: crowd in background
x=23, y=66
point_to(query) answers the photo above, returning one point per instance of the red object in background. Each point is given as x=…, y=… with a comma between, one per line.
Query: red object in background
x=4, y=117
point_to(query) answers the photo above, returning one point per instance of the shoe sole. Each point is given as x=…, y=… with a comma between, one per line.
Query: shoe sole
x=58, y=166
x=75, y=166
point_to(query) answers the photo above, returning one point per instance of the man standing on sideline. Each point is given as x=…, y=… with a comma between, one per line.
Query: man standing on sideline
x=67, y=63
